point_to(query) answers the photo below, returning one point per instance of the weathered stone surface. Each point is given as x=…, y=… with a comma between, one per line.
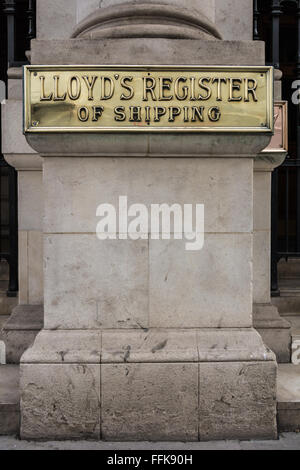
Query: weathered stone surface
x=195, y=288
x=154, y=345
x=288, y=392
x=13, y=140
x=233, y=19
x=117, y=295
x=95, y=284
x=65, y=347
x=31, y=267
x=21, y=329
x=274, y=330
x=60, y=401
x=224, y=186
x=56, y=19
x=147, y=51
x=9, y=400
x=16, y=343
x=149, y=402
x=150, y=145
x=261, y=266
x=237, y=400
x=227, y=345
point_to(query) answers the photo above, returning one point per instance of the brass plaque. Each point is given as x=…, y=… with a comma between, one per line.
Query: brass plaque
x=147, y=99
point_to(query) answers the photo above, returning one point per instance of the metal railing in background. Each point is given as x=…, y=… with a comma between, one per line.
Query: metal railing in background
x=17, y=28
x=20, y=15
x=277, y=22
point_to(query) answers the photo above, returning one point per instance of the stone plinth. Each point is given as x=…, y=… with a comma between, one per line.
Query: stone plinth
x=159, y=384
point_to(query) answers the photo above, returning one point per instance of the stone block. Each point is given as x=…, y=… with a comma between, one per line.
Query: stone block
x=95, y=284
x=192, y=289
x=60, y=401
x=224, y=186
x=153, y=345
x=147, y=51
x=210, y=288
x=237, y=400
x=65, y=347
x=261, y=266
x=149, y=402
x=229, y=345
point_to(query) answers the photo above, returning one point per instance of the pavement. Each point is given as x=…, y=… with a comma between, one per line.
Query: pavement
x=286, y=441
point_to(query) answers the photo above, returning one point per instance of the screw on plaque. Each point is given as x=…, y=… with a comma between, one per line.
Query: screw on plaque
x=116, y=76
x=35, y=74
x=35, y=123
x=263, y=124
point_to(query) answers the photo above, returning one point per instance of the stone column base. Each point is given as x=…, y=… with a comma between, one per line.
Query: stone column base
x=157, y=384
x=274, y=330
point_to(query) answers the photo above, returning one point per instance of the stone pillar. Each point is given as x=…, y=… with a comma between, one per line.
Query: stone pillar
x=275, y=330
x=144, y=340
x=27, y=318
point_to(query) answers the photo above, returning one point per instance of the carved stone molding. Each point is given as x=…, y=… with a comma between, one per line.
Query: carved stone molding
x=145, y=20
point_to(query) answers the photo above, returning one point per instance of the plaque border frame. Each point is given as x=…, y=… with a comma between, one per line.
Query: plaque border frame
x=267, y=129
